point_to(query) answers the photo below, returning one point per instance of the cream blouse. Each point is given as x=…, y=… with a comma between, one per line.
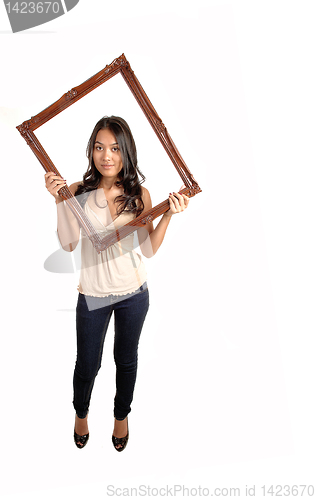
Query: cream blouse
x=118, y=270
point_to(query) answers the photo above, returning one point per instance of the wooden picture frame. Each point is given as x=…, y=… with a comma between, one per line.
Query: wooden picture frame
x=26, y=129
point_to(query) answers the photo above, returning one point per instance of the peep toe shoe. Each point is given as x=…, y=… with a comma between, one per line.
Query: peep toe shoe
x=81, y=441
x=120, y=443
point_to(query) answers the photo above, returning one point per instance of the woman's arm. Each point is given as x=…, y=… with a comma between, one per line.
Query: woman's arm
x=68, y=229
x=149, y=238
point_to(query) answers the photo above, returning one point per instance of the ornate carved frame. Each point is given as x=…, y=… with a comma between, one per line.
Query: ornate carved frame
x=119, y=65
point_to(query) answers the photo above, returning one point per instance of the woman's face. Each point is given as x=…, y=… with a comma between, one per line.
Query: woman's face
x=106, y=154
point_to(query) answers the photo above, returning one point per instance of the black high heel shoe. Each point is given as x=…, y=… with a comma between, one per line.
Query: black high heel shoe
x=120, y=443
x=81, y=441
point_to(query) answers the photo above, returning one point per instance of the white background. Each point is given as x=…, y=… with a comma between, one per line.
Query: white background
x=225, y=390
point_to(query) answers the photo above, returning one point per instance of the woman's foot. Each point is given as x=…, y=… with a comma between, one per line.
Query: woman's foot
x=81, y=434
x=120, y=428
x=120, y=434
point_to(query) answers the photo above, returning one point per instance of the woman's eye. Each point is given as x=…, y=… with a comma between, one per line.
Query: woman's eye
x=115, y=149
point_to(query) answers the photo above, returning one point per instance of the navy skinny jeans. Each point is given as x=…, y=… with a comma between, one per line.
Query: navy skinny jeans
x=93, y=317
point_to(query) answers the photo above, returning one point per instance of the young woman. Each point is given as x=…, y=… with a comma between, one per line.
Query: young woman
x=113, y=281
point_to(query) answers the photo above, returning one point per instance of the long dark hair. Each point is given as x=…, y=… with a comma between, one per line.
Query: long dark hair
x=130, y=177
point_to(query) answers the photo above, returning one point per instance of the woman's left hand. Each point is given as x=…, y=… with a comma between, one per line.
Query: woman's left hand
x=178, y=203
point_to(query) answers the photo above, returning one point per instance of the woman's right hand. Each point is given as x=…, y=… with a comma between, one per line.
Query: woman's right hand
x=53, y=184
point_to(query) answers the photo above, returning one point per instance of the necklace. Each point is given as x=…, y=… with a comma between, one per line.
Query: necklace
x=95, y=200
